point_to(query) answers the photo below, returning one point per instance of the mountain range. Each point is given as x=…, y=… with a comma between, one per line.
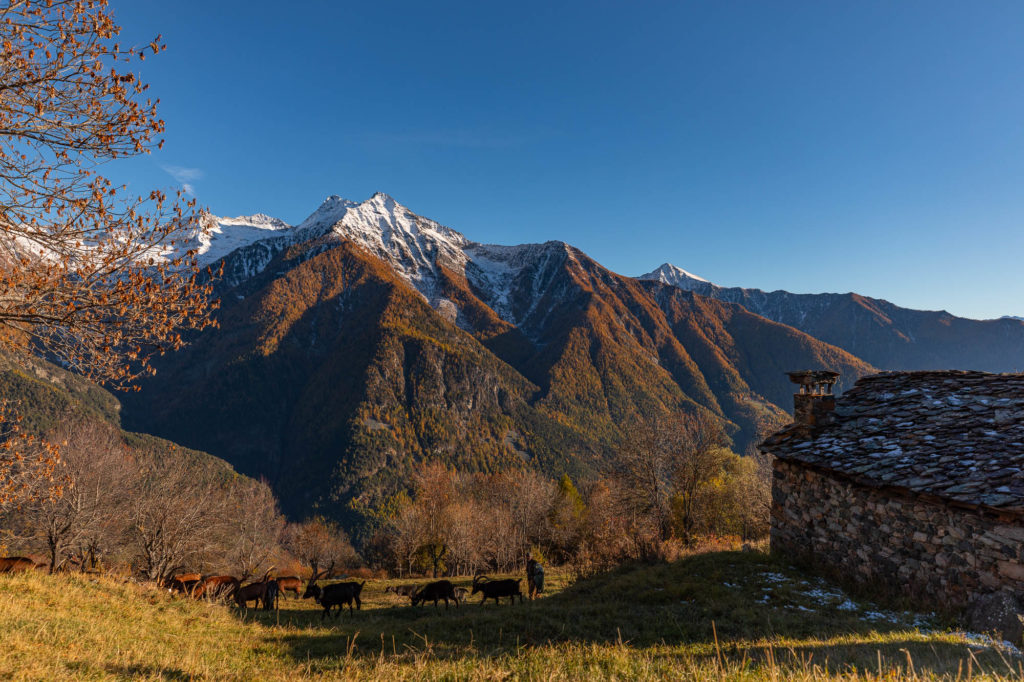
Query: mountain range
x=881, y=333
x=367, y=338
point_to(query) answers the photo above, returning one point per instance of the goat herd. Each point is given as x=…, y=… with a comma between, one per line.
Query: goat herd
x=267, y=591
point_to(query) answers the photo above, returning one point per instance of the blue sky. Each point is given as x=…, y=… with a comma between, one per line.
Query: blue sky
x=875, y=147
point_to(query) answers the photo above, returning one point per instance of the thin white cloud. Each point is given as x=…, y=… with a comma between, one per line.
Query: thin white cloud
x=183, y=174
x=185, y=177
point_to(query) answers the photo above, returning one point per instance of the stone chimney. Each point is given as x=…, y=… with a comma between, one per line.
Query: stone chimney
x=814, y=400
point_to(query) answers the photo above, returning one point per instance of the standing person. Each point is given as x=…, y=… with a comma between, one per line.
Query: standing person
x=534, y=577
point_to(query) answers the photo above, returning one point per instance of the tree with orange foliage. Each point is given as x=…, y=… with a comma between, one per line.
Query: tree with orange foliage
x=28, y=465
x=92, y=277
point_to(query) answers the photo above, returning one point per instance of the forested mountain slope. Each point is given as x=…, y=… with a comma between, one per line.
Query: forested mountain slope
x=48, y=398
x=367, y=339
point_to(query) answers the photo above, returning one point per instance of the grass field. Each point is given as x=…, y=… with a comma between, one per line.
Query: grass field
x=722, y=615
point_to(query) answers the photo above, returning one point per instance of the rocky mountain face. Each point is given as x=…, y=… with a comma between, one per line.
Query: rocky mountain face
x=367, y=339
x=885, y=335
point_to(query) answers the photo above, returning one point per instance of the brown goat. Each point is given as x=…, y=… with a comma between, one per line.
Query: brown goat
x=290, y=583
x=184, y=583
x=186, y=587
x=16, y=564
x=216, y=587
x=188, y=577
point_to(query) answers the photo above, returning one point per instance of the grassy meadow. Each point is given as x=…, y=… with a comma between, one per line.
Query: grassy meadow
x=718, y=615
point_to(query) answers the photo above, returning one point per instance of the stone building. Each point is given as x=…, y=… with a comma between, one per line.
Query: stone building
x=913, y=480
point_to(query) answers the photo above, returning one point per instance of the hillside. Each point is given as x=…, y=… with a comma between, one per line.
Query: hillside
x=709, y=616
x=46, y=396
x=882, y=333
x=367, y=339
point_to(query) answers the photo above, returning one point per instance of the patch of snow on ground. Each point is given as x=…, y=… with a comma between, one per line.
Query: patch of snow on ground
x=982, y=640
x=827, y=595
x=824, y=595
x=831, y=596
x=775, y=577
x=798, y=607
x=887, y=616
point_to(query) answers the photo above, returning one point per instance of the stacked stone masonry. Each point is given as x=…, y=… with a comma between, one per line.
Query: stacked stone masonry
x=943, y=553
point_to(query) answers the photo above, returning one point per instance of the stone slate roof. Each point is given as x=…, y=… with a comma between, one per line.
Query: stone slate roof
x=955, y=435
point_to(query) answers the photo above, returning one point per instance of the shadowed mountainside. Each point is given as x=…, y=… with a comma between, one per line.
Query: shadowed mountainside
x=46, y=396
x=334, y=372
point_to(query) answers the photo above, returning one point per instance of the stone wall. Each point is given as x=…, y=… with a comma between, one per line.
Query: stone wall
x=943, y=554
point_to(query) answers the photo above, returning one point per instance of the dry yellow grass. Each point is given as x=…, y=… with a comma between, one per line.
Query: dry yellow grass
x=696, y=618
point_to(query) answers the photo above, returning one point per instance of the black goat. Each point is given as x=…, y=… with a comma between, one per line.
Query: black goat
x=496, y=589
x=435, y=591
x=271, y=596
x=338, y=594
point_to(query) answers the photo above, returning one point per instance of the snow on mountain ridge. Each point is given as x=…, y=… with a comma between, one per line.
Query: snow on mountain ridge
x=496, y=271
x=260, y=220
x=415, y=247
x=225, y=235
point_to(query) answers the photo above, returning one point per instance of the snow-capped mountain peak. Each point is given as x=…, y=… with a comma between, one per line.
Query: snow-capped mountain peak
x=330, y=211
x=415, y=247
x=667, y=273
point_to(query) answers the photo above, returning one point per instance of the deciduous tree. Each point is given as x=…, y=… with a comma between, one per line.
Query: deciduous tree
x=320, y=544
x=89, y=519
x=92, y=276
x=664, y=466
x=176, y=520
x=253, y=527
